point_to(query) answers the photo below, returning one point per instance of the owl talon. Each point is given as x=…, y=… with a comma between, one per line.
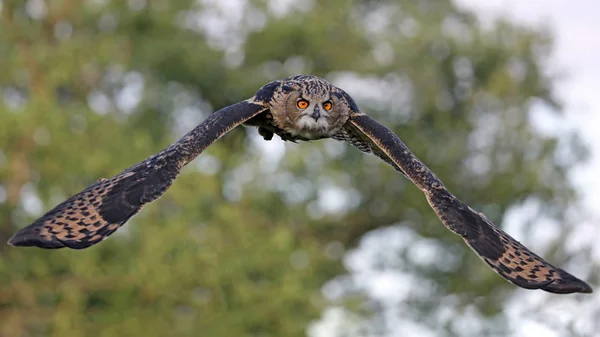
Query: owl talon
x=266, y=134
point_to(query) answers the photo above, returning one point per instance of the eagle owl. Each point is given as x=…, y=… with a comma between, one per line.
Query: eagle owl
x=297, y=108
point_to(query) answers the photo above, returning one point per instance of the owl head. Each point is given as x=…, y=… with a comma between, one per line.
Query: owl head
x=308, y=107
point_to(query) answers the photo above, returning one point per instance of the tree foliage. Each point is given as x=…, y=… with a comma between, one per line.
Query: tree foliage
x=244, y=240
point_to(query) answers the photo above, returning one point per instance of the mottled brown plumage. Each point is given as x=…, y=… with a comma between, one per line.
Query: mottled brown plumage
x=296, y=108
x=291, y=123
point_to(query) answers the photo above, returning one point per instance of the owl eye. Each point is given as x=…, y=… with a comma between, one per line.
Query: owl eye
x=327, y=105
x=302, y=104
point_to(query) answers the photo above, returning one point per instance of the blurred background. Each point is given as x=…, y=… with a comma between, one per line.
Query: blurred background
x=260, y=238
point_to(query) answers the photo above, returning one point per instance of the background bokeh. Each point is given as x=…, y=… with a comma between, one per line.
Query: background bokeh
x=263, y=238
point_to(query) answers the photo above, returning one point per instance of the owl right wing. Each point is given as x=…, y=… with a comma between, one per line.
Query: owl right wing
x=505, y=255
x=91, y=215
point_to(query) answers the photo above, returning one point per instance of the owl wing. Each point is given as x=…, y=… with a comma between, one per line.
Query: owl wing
x=500, y=251
x=91, y=215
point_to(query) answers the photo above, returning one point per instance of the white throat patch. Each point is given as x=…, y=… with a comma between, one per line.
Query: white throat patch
x=308, y=127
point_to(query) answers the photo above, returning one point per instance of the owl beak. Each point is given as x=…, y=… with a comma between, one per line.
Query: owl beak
x=316, y=114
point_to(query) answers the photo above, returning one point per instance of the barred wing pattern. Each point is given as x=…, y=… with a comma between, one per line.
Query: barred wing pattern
x=91, y=215
x=500, y=251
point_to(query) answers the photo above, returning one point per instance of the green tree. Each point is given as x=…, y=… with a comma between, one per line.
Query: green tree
x=244, y=240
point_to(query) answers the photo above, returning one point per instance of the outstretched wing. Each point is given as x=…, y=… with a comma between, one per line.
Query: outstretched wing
x=500, y=251
x=93, y=214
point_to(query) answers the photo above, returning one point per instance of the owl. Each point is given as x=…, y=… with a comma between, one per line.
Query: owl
x=298, y=108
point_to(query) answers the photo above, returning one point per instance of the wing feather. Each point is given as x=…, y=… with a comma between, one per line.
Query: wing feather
x=91, y=215
x=505, y=255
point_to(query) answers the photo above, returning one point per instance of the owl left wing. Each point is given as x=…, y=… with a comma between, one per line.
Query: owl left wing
x=93, y=214
x=500, y=251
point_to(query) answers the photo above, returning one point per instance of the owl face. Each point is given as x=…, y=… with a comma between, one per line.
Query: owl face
x=314, y=112
x=306, y=107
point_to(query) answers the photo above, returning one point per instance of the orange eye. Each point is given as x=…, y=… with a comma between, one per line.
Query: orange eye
x=302, y=104
x=327, y=105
